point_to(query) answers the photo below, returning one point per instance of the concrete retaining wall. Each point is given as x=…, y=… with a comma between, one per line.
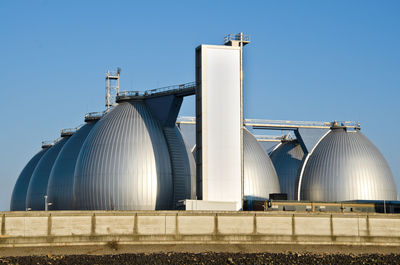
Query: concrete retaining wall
x=172, y=227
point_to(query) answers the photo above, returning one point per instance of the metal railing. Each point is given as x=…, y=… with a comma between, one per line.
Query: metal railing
x=237, y=37
x=347, y=124
x=94, y=115
x=113, y=74
x=50, y=143
x=46, y=144
x=281, y=124
x=157, y=91
x=68, y=131
x=172, y=88
x=186, y=120
x=273, y=138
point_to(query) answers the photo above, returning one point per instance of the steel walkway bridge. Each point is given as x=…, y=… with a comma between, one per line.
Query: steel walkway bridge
x=294, y=125
x=181, y=90
x=189, y=89
x=284, y=125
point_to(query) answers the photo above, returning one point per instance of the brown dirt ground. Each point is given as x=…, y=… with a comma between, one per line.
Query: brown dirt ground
x=113, y=248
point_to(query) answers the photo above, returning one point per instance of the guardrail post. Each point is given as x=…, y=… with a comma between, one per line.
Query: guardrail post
x=49, y=224
x=135, y=225
x=216, y=224
x=93, y=225
x=293, y=228
x=331, y=226
x=3, y=224
x=255, y=224
x=176, y=226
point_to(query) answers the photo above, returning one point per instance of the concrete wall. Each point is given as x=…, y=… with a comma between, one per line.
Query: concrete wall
x=172, y=227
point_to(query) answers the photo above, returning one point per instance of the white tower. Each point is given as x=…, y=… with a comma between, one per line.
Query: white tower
x=219, y=116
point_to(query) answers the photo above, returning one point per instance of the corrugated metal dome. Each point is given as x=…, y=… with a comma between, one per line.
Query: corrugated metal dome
x=125, y=163
x=287, y=159
x=183, y=165
x=346, y=166
x=38, y=185
x=61, y=180
x=18, y=197
x=260, y=178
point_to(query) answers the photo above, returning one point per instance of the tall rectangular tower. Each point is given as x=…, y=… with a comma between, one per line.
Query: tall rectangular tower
x=219, y=123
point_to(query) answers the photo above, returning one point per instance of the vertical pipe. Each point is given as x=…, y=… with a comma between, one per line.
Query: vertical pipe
x=117, y=88
x=241, y=119
x=46, y=205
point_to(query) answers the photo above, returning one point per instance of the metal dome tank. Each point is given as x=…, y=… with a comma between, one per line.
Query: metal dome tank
x=18, y=197
x=61, y=180
x=260, y=178
x=288, y=159
x=346, y=165
x=38, y=184
x=183, y=165
x=125, y=163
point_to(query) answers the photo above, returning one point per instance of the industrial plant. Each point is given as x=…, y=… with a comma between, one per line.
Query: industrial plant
x=138, y=154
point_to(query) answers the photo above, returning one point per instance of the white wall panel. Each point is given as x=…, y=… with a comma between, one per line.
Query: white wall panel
x=221, y=114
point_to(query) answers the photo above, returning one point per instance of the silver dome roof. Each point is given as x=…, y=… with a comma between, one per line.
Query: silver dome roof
x=183, y=165
x=346, y=166
x=38, y=185
x=287, y=160
x=124, y=163
x=18, y=197
x=260, y=178
x=61, y=180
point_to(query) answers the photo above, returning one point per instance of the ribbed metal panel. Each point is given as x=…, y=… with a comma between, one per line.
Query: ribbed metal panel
x=183, y=166
x=287, y=160
x=269, y=146
x=347, y=166
x=189, y=133
x=124, y=163
x=61, y=180
x=260, y=178
x=18, y=197
x=38, y=185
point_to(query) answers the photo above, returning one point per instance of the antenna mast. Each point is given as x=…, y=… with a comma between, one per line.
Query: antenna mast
x=112, y=87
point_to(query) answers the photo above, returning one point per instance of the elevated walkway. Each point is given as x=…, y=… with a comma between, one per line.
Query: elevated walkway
x=284, y=125
x=294, y=125
x=271, y=138
x=308, y=133
x=181, y=90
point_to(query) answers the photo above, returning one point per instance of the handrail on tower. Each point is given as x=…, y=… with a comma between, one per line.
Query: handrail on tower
x=112, y=87
x=240, y=37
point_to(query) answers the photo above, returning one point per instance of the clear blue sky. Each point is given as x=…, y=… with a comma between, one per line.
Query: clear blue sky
x=308, y=60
